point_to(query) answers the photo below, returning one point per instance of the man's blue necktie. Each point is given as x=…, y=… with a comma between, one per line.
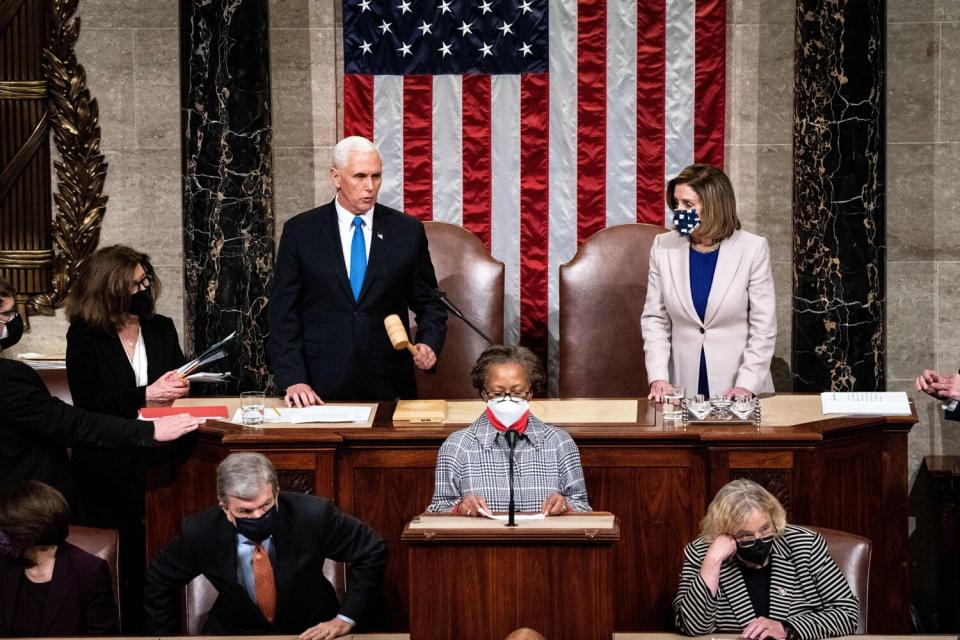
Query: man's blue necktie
x=358, y=257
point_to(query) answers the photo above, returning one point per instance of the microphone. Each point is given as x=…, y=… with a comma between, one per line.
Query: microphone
x=442, y=297
x=512, y=436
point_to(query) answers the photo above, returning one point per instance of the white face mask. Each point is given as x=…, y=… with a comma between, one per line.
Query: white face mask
x=508, y=412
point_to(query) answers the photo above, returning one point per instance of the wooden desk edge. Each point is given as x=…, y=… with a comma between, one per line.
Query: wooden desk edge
x=504, y=534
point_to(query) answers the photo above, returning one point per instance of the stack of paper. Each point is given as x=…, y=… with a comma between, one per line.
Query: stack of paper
x=517, y=517
x=214, y=353
x=866, y=403
x=41, y=361
x=321, y=413
x=209, y=376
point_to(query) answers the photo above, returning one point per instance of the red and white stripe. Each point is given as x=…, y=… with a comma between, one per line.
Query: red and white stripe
x=536, y=163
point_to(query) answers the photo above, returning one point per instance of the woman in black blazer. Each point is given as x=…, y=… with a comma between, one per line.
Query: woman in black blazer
x=121, y=356
x=49, y=587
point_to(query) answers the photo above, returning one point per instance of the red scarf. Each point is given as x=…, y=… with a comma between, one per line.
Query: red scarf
x=519, y=426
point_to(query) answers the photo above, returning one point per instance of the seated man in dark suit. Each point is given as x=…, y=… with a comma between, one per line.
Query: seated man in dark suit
x=36, y=428
x=944, y=387
x=341, y=269
x=264, y=551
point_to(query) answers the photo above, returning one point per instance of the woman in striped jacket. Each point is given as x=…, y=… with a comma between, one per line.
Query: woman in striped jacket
x=752, y=574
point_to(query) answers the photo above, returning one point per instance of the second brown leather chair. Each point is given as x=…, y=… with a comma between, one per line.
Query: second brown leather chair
x=103, y=543
x=473, y=281
x=852, y=554
x=602, y=291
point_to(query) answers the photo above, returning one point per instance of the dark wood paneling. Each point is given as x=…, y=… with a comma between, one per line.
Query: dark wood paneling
x=654, y=493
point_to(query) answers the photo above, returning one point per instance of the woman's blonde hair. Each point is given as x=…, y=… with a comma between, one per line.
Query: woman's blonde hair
x=733, y=506
x=718, y=218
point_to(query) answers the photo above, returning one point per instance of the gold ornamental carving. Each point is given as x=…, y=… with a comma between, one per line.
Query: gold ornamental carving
x=81, y=168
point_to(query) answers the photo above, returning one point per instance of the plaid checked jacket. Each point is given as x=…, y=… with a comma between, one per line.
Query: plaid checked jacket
x=476, y=460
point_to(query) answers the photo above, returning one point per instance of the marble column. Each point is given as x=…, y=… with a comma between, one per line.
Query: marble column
x=839, y=291
x=228, y=214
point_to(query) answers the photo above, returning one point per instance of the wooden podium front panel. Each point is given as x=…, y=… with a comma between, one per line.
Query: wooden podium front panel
x=658, y=497
x=484, y=591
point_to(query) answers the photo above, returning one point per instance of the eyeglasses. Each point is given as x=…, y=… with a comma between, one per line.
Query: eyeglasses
x=8, y=316
x=516, y=397
x=745, y=542
x=143, y=283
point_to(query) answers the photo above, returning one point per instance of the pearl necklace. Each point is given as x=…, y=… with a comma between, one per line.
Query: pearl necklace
x=710, y=249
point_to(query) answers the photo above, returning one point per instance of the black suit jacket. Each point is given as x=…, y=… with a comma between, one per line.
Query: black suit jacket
x=80, y=601
x=102, y=380
x=99, y=372
x=311, y=530
x=321, y=336
x=36, y=429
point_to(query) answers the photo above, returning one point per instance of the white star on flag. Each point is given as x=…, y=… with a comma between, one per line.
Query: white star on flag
x=445, y=7
x=525, y=49
x=405, y=7
x=385, y=27
x=505, y=27
x=364, y=6
x=366, y=46
x=485, y=7
x=464, y=29
x=424, y=28
x=404, y=49
x=444, y=50
x=485, y=50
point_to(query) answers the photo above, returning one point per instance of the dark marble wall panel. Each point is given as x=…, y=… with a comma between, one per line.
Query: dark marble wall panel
x=227, y=180
x=838, y=204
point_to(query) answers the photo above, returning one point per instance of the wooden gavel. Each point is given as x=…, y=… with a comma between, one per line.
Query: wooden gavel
x=398, y=334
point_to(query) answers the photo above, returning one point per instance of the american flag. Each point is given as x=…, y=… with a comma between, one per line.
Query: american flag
x=535, y=123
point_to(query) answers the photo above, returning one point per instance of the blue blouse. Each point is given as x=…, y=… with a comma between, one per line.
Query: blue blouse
x=702, y=268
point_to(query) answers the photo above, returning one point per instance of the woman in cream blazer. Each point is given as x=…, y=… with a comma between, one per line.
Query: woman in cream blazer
x=737, y=329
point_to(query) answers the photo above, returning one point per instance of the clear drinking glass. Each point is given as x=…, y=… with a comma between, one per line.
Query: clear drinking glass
x=251, y=407
x=721, y=406
x=699, y=407
x=742, y=407
x=673, y=403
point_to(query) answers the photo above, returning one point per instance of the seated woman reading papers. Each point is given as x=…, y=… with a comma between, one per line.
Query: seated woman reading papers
x=472, y=466
x=752, y=574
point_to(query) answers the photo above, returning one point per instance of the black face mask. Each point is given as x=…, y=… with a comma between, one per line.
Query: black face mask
x=14, y=333
x=258, y=529
x=757, y=553
x=141, y=303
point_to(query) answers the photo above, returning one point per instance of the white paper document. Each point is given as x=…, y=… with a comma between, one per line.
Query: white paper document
x=519, y=517
x=862, y=403
x=319, y=413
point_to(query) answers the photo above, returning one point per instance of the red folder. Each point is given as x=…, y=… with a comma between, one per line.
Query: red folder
x=213, y=411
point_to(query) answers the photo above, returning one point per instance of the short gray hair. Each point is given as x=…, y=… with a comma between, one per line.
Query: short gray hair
x=343, y=149
x=242, y=475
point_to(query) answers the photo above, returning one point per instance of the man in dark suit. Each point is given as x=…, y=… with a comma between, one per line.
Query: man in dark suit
x=341, y=269
x=264, y=551
x=36, y=428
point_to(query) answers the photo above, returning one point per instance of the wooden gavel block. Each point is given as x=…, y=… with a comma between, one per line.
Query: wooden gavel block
x=398, y=334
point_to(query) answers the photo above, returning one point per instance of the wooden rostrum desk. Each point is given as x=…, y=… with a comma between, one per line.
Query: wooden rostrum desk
x=847, y=473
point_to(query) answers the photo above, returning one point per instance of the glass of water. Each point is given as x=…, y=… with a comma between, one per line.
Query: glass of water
x=251, y=407
x=699, y=407
x=673, y=403
x=743, y=407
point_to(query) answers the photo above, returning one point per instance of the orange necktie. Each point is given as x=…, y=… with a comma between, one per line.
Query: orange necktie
x=263, y=583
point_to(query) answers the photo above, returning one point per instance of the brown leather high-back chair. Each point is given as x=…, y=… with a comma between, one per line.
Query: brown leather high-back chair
x=852, y=554
x=199, y=596
x=602, y=292
x=473, y=281
x=103, y=543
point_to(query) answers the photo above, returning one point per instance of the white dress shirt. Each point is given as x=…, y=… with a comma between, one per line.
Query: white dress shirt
x=138, y=362
x=345, y=224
